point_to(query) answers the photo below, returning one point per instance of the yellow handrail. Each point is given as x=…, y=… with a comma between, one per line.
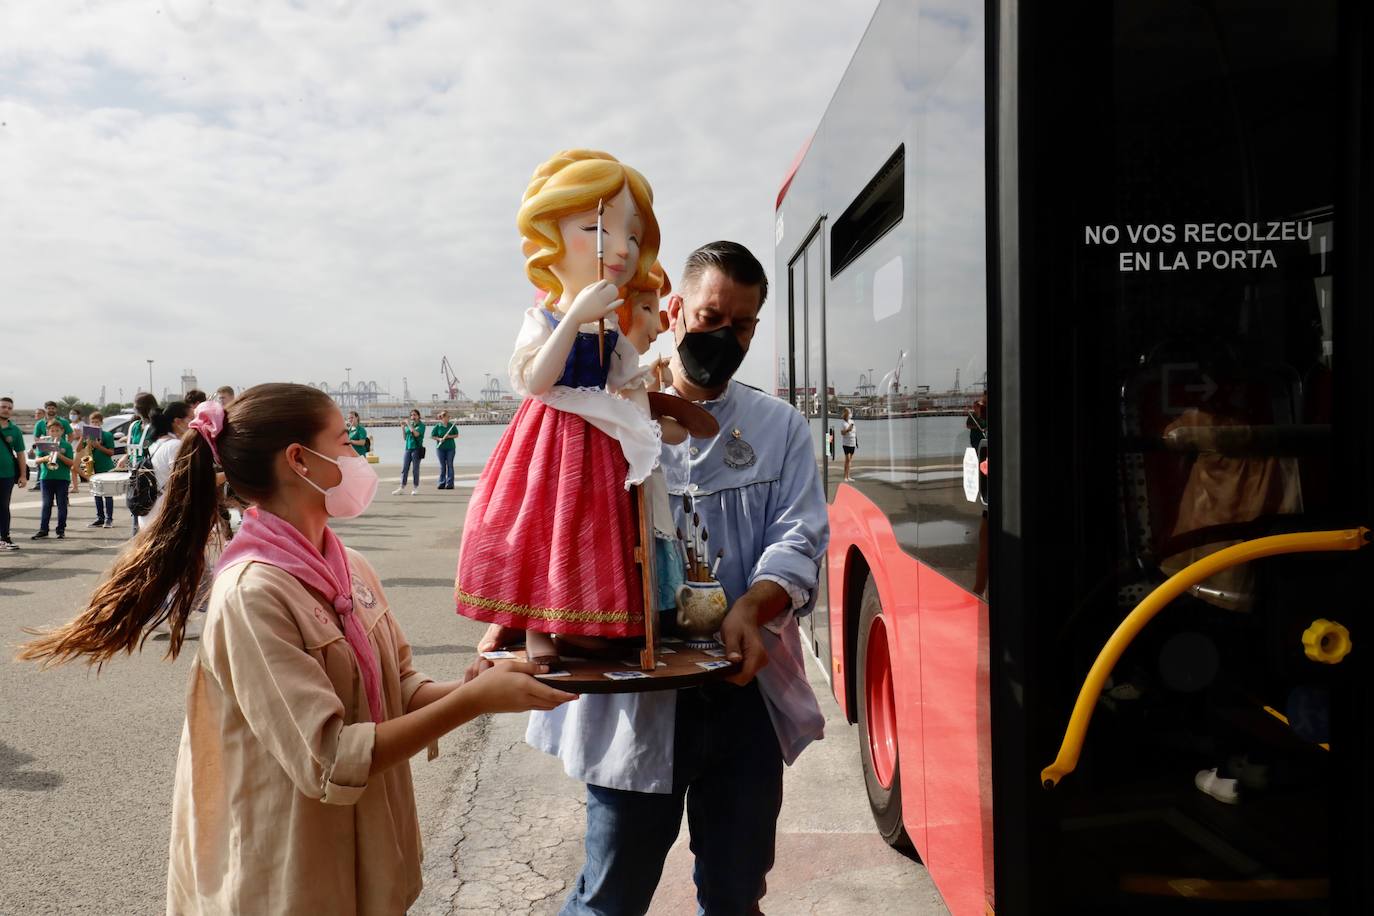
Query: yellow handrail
x=1157, y=600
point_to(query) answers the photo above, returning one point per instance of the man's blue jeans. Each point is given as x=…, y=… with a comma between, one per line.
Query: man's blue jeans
x=446, y=466
x=6, y=489
x=727, y=769
x=411, y=460
x=54, y=491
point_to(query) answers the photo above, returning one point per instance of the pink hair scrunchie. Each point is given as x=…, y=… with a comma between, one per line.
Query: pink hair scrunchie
x=209, y=422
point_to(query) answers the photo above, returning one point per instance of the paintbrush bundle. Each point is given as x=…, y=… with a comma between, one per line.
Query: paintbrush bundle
x=697, y=547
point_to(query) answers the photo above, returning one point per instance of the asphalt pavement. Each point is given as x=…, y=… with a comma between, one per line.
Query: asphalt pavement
x=87, y=759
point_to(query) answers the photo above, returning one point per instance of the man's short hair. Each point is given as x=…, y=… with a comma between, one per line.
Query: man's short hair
x=47, y=404
x=730, y=258
x=225, y=389
x=194, y=396
x=7, y=400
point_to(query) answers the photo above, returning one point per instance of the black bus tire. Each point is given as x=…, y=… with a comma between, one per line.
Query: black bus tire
x=885, y=803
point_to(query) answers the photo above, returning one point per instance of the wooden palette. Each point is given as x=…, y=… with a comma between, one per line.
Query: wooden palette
x=678, y=667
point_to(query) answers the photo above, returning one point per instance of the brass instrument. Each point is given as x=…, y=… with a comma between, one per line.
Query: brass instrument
x=85, y=463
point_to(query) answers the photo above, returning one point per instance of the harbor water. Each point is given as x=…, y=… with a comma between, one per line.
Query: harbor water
x=903, y=438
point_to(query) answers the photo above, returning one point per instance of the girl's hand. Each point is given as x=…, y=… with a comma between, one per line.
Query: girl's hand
x=594, y=303
x=508, y=687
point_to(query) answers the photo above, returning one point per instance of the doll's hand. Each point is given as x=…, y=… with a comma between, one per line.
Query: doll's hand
x=659, y=377
x=594, y=303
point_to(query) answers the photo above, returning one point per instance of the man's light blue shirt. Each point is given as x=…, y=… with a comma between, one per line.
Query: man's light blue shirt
x=770, y=517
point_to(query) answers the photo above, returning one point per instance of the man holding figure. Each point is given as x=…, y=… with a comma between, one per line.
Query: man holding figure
x=716, y=750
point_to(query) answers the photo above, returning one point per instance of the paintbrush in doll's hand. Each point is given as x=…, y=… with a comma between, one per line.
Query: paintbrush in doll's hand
x=600, y=275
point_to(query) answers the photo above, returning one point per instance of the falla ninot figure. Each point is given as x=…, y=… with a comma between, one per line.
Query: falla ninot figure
x=548, y=543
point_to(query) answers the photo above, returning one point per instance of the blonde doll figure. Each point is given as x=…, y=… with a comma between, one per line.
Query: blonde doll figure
x=550, y=532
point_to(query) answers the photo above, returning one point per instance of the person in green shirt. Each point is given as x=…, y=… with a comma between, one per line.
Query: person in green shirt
x=55, y=482
x=446, y=434
x=13, y=471
x=102, y=460
x=357, y=434
x=40, y=429
x=414, y=431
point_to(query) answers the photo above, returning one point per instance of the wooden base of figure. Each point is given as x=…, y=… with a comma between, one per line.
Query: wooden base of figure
x=676, y=667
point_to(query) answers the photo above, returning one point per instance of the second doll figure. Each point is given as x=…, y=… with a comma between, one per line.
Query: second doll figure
x=548, y=543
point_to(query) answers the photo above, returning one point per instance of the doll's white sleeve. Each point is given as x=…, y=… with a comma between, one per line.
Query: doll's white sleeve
x=534, y=332
x=625, y=369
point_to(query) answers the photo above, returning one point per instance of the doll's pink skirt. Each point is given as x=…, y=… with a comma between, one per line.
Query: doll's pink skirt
x=550, y=534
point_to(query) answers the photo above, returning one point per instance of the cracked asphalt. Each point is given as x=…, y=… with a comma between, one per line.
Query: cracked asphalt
x=86, y=761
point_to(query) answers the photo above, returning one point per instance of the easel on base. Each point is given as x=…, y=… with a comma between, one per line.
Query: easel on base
x=648, y=576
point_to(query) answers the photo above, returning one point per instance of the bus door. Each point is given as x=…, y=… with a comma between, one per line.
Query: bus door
x=1182, y=715
x=806, y=289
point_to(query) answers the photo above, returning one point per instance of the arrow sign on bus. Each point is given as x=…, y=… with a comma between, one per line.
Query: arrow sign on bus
x=1203, y=385
x=1208, y=387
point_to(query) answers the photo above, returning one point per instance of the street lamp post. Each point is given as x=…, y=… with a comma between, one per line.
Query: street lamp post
x=150, y=376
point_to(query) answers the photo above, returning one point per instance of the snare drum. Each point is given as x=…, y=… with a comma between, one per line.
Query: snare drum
x=110, y=483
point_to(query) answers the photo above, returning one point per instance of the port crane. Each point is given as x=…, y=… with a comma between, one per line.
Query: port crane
x=893, y=380
x=450, y=379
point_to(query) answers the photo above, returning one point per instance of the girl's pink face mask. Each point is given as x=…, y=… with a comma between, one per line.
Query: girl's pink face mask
x=355, y=490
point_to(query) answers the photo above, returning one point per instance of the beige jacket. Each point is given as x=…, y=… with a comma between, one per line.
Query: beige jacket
x=273, y=811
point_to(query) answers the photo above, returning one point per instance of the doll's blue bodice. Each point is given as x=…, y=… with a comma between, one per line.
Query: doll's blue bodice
x=583, y=369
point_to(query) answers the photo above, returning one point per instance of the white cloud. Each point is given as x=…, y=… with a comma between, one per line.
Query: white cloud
x=264, y=190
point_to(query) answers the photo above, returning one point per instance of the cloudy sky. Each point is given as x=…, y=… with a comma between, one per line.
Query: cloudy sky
x=262, y=190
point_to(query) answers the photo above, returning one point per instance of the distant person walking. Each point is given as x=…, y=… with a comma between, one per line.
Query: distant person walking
x=849, y=440
x=14, y=471
x=102, y=460
x=446, y=434
x=414, y=432
x=225, y=395
x=194, y=398
x=357, y=434
x=55, y=482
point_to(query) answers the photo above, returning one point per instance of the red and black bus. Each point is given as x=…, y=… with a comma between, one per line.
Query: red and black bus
x=1094, y=282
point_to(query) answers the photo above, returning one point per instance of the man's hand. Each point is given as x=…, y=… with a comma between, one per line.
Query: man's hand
x=495, y=637
x=740, y=633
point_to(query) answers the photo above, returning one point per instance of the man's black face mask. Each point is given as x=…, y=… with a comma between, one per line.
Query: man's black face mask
x=710, y=358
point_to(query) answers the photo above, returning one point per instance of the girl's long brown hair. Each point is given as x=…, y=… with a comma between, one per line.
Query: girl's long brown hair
x=169, y=557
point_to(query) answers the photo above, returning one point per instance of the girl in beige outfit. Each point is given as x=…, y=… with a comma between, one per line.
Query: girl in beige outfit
x=303, y=698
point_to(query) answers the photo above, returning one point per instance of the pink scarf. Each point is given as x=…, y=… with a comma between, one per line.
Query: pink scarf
x=265, y=538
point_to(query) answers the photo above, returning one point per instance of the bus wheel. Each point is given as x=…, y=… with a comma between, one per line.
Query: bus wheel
x=878, y=722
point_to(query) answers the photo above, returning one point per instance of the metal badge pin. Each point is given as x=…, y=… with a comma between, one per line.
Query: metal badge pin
x=738, y=453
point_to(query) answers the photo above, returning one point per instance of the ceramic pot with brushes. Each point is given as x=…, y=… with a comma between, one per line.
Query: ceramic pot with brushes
x=701, y=608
